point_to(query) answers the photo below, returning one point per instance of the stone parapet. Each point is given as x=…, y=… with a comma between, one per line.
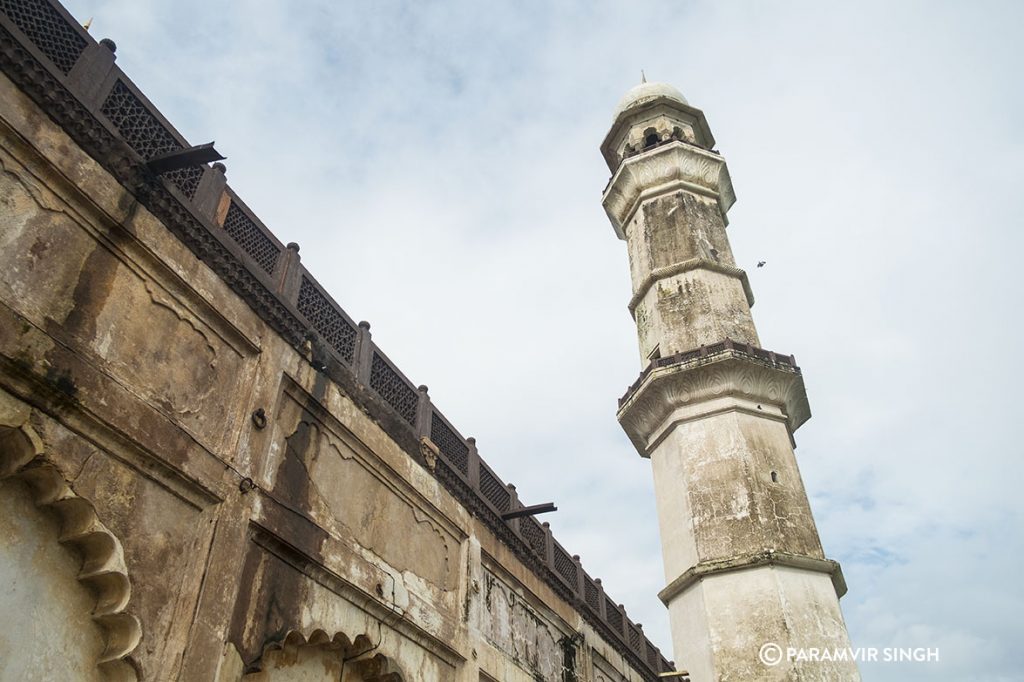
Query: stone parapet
x=695, y=381
x=766, y=558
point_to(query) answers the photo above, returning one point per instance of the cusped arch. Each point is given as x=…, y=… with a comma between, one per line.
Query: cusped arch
x=103, y=569
x=358, y=654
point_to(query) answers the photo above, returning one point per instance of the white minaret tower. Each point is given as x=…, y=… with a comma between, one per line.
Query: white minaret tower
x=715, y=414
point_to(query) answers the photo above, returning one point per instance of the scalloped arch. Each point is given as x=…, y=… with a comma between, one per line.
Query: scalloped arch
x=376, y=668
x=103, y=569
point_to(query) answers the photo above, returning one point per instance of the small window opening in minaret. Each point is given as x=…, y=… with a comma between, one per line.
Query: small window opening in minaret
x=654, y=354
x=650, y=137
x=775, y=477
x=677, y=133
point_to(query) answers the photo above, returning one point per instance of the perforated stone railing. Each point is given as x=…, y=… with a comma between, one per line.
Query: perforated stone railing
x=74, y=79
x=254, y=240
x=48, y=30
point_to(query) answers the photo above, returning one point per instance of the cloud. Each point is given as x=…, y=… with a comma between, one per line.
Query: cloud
x=438, y=164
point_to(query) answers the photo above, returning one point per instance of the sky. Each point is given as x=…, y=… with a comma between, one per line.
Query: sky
x=438, y=163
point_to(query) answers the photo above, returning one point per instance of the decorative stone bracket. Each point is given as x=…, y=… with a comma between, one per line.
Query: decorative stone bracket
x=430, y=452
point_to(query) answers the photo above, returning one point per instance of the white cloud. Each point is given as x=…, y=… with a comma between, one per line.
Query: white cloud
x=438, y=163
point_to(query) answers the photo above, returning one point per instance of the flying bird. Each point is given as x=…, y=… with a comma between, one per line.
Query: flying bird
x=760, y=263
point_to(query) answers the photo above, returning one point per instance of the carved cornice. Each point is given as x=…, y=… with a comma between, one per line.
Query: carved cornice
x=768, y=557
x=686, y=266
x=728, y=373
x=103, y=571
x=664, y=169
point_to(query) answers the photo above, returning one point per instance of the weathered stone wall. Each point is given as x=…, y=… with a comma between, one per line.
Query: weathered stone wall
x=207, y=546
x=679, y=304
x=38, y=641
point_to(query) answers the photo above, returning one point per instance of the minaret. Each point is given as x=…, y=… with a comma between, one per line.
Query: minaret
x=715, y=414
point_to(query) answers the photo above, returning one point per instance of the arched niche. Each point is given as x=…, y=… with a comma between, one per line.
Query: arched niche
x=322, y=658
x=65, y=581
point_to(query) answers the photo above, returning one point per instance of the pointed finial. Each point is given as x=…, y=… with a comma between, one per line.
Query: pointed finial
x=643, y=76
x=87, y=24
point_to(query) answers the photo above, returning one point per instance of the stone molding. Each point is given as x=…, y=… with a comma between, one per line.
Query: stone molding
x=103, y=572
x=375, y=668
x=768, y=557
x=661, y=273
x=667, y=168
x=729, y=373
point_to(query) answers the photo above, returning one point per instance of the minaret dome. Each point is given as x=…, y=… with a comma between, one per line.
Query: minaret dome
x=647, y=92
